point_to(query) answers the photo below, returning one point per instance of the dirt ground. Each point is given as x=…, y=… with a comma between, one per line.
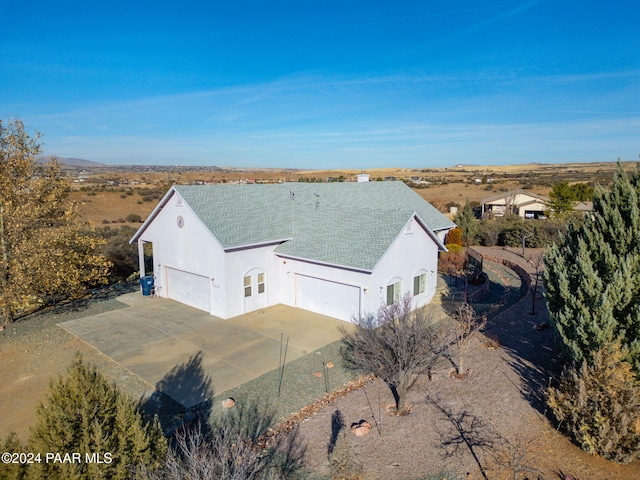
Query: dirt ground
x=462, y=426
x=35, y=351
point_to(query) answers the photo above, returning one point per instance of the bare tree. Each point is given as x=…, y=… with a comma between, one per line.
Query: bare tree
x=509, y=203
x=467, y=325
x=537, y=260
x=397, y=345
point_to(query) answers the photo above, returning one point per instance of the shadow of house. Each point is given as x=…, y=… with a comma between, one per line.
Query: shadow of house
x=183, y=396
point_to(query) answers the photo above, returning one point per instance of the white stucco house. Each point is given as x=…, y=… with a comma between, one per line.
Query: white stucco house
x=338, y=249
x=520, y=202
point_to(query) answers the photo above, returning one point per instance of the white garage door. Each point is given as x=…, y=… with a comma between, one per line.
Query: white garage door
x=333, y=299
x=189, y=288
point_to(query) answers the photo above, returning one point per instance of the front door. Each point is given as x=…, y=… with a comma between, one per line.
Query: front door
x=254, y=290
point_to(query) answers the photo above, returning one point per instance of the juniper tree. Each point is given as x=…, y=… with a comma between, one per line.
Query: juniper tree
x=85, y=413
x=467, y=222
x=592, y=276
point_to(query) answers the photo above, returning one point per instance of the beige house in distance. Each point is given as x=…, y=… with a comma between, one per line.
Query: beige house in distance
x=520, y=202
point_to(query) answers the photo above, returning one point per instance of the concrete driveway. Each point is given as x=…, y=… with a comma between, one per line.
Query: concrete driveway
x=154, y=336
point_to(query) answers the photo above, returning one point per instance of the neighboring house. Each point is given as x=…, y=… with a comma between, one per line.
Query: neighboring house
x=584, y=207
x=338, y=249
x=519, y=202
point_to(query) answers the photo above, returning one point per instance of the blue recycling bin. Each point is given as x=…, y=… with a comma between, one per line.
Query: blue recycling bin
x=147, y=285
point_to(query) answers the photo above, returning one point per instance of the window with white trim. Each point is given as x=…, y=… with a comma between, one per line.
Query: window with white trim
x=394, y=291
x=419, y=284
x=261, y=283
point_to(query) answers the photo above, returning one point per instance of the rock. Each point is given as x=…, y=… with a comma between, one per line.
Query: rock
x=317, y=374
x=361, y=428
x=329, y=364
x=228, y=402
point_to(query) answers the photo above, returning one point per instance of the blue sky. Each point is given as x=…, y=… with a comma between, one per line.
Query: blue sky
x=301, y=84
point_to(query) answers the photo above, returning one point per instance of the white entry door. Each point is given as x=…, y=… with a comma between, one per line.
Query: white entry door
x=189, y=288
x=334, y=299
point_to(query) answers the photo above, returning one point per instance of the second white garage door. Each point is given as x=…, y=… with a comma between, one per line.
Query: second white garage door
x=189, y=288
x=333, y=299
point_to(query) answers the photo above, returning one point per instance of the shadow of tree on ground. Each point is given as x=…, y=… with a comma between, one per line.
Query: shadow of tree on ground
x=94, y=299
x=337, y=424
x=465, y=431
x=183, y=396
x=495, y=455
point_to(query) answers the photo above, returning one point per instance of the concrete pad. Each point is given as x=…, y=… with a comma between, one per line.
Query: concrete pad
x=186, y=353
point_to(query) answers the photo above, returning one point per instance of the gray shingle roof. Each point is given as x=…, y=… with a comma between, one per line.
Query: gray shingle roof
x=348, y=224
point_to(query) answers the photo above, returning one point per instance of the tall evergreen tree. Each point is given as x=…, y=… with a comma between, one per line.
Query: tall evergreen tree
x=592, y=276
x=467, y=222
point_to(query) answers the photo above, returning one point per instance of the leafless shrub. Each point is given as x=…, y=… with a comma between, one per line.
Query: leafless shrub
x=467, y=325
x=397, y=345
x=512, y=460
x=234, y=447
x=492, y=341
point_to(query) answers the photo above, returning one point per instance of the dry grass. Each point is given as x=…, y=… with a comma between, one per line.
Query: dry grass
x=110, y=204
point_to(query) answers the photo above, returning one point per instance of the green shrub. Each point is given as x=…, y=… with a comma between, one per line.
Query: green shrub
x=508, y=231
x=133, y=218
x=599, y=405
x=85, y=413
x=119, y=252
x=454, y=248
x=12, y=471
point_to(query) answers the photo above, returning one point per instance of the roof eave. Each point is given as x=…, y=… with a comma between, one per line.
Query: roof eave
x=153, y=214
x=326, y=264
x=432, y=233
x=248, y=246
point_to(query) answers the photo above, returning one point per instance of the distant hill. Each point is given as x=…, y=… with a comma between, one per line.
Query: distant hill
x=70, y=162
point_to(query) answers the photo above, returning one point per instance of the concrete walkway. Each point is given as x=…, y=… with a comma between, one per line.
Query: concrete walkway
x=153, y=337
